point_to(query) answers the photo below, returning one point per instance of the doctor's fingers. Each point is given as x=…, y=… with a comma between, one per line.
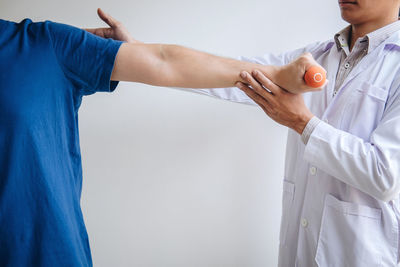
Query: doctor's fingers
x=257, y=87
x=266, y=83
x=261, y=101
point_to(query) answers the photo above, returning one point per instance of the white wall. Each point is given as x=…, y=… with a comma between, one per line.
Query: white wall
x=173, y=178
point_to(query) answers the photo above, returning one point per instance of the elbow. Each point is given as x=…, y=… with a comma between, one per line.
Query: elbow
x=391, y=188
x=389, y=195
x=168, y=53
x=385, y=179
x=163, y=52
x=168, y=72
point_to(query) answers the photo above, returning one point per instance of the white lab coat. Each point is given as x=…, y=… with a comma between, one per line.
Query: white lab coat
x=341, y=191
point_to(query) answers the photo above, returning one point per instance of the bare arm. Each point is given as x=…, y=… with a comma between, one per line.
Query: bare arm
x=177, y=66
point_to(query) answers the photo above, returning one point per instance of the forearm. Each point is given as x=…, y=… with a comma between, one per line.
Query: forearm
x=195, y=69
x=177, y=66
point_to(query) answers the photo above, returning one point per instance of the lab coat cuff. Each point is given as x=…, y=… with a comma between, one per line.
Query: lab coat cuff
x=312, y=150
x=309, y=129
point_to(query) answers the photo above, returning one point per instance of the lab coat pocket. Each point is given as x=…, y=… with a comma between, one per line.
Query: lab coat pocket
x=287, y=200
x=350, y=235
x=364, y=110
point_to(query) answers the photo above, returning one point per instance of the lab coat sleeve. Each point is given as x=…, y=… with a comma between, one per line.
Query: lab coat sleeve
x=372, y=167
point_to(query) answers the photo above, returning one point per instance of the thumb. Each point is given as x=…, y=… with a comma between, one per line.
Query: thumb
x=107, y=18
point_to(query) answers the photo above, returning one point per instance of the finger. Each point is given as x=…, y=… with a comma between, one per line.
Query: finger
x=102, y=32
x=107, y=32
x=267, y=83
x=262, y=102
x=90, y=30
x=107, y=18
x=255, y=85
x=265, y=106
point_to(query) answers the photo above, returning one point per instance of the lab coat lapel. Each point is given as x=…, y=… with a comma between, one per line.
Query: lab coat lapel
x=332, y=68
x=334, y=103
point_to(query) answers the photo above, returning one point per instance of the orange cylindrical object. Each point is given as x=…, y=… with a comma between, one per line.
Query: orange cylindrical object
x=315, y=77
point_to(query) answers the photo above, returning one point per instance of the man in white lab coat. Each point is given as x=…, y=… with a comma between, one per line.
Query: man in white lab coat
x=342, y=177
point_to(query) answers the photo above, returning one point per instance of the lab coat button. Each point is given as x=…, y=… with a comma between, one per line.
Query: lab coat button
x=304, y=223
x=313, y=170
x=346, y=65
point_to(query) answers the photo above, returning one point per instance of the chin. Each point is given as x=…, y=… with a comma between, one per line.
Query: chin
x=351, y=17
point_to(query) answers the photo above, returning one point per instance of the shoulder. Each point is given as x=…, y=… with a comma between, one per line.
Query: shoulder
x=25, y=31
x=48, y=30
x=32, y=30
x=389, y=70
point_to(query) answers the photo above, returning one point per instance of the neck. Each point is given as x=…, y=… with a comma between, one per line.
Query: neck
x=360, y=30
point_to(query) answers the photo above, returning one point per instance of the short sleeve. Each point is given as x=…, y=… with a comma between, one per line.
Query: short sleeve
x=86, y=59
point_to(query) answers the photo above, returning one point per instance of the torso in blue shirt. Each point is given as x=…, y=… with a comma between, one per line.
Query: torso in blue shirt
x=45, y=69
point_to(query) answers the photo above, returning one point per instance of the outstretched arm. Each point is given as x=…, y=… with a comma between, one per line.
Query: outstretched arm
x=177, y=66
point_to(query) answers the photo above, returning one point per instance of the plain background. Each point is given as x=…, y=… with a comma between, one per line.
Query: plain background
x=174, y=178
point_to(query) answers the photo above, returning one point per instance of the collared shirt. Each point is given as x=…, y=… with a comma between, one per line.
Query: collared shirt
x=349, y=59
x=362, y=47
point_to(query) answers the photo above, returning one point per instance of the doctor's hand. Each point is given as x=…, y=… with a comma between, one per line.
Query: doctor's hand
x=116, y=31
x=280, y=105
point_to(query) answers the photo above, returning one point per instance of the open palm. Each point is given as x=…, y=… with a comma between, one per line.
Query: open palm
x=116, y=31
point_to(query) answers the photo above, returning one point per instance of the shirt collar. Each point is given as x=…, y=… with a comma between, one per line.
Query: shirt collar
x=342, y=39
x=373, y=39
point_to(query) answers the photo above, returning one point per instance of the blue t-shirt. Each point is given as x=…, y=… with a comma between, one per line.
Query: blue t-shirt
x=45, y=69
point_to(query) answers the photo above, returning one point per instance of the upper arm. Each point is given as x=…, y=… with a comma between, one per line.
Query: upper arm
x=139, y=63
x=86, y=60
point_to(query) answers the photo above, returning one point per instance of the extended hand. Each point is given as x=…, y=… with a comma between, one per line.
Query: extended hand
x=291, y=76
x=116, y=31
x=280, y=105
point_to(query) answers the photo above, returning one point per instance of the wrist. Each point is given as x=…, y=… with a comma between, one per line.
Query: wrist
x=302, y=122
x=272, y=72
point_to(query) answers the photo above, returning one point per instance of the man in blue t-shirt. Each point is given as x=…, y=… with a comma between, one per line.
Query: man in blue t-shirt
x=45, y=70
